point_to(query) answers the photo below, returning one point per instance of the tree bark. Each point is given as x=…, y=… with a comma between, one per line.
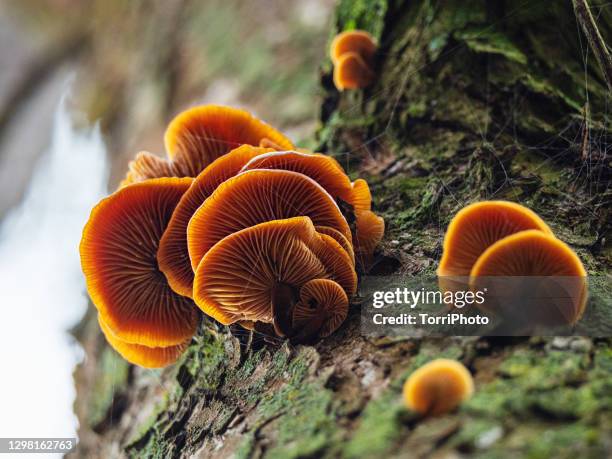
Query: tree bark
x=473, y=100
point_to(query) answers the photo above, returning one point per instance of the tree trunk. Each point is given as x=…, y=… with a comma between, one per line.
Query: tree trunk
x=474, y=100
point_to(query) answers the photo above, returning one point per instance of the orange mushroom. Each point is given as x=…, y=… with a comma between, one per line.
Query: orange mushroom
x=257, y=196
x=323, y=169
x=144, y=356
x=340, y=239
x=256, y=273
x=369, y=228
x=322, y=308
x=438, y=387
x=173, y=254
x=352, y=72
x=118, y=257
x=198, y=136
x=476, y=227
x=353, y=41
x=555, y=291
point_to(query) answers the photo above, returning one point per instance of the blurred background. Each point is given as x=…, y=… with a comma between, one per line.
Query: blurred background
x=83, y=87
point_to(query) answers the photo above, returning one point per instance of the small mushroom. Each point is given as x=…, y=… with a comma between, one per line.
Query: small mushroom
x=322, y=308
x=257, y=196
x=352, y=72
x=370, y=229
x=144, y=356
x=256, y=273
x=355, y=41
x=173, y=254
x=118, y=257
x=476, y=227
x=198, y=136
x=438, y=387
x=546, y=281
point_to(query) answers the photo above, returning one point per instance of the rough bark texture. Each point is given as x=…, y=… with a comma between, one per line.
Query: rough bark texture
x=474, y=100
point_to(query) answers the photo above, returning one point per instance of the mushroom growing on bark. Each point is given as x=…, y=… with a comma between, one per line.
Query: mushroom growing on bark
x=173, y=254
x=545, y=282
x=119, y=259
x=438, y=387
x=257, y=196
x=257, y=273
x=476, y=227
x=352, y=53
x=198, y=136
x=355, y=41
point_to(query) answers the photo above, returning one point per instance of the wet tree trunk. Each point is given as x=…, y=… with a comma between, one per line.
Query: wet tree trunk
x=474, y=100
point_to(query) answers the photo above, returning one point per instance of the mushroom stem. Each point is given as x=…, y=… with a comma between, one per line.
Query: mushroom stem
x=284, y=299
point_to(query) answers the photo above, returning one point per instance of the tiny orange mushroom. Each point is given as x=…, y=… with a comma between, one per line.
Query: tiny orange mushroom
x=322, y=307
x=352, y=72
x=144, y=356
x=353, y=41
x=256, y=273
x=438, y=387
x=119, y=259
x=257, y=196
x=198, y=136
x=173, y=253
x=559, y=288
x=479, y=225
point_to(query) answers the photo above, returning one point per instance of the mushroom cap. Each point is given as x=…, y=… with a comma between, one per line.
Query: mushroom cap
x=357, y=41
x=199, y=135
x=352, y=72
x=173, y=254
x=533, y=253
x=340, y=239
x=370, y=229
x=478, y=226
x=118, y=257
x=361, y=198
x=438, y=387
x=258, y=196
x=237, y=277
x=144, y=356
x=323, y=169
x=147, y=166
x=322, y=308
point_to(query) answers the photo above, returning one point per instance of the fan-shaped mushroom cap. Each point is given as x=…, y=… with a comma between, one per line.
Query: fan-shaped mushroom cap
x=173, y=254
x=352, y=72
x=258, y=196
x=144, y=356
x=361, y=198
x=323, y=169
x=357, y=41
x=322, y=308
x=238, y=277
x=340, y=239
x=199, y=135
x=370, y=229
x=118, y=256
x=438, y=387
x=147, y=166
x=537, y=254
x=478, y=226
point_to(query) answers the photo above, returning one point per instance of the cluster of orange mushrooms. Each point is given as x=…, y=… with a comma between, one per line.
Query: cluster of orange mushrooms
x=352, y=54
x=489, y=239
x=235, y=222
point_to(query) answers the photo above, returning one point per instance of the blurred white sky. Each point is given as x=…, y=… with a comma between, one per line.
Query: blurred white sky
x=42, y=291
